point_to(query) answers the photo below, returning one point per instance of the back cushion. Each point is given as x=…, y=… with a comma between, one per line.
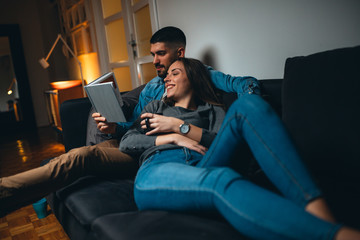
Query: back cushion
x=321, y=106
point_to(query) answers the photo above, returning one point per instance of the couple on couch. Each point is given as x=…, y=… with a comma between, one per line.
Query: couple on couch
x=184, y=142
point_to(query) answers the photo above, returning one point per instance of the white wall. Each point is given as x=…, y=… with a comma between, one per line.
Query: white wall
x=254, y=37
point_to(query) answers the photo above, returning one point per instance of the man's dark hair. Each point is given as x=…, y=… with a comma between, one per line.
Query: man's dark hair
x=172, y=35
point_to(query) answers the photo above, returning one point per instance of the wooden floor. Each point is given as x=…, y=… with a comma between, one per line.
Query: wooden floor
x=21, y=152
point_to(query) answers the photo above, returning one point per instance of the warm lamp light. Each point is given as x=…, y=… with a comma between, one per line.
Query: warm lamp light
x=59, y=85
x=43, y=61
x=9, y=89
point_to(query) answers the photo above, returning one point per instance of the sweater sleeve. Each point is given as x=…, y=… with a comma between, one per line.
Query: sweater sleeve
x=216, y=118
x=135, y=142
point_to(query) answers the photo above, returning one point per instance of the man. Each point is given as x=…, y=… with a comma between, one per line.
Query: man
x=105, y=158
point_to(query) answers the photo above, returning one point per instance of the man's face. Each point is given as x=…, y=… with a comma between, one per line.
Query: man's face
x=163, y=57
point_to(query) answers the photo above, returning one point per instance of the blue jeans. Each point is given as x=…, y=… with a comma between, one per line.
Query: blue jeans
x=184, y=180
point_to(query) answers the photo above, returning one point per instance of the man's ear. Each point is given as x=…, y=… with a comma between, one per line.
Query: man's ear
x=181, y=52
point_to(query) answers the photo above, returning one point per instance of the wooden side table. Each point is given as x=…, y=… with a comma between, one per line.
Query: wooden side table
x=56, y=97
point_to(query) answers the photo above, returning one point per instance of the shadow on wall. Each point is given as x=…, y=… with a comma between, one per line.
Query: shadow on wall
x=208, y=57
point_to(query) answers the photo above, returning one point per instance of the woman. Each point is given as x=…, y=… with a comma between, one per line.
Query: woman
x=180, y=170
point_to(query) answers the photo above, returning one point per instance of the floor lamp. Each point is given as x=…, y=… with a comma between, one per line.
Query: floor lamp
x=45, y=64
x=9, y=89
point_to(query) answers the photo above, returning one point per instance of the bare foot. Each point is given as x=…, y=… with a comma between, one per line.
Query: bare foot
x=320, y=209
x=346, y=233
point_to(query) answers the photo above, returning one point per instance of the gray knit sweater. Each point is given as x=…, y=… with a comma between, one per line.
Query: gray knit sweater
x=206, y=116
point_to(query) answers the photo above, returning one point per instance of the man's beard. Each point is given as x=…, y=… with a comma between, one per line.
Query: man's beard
x=162, y=73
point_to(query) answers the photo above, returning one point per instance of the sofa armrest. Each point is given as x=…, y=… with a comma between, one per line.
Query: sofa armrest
x=74, y=114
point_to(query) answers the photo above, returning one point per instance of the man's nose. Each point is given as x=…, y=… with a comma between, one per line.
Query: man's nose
x=155, y=59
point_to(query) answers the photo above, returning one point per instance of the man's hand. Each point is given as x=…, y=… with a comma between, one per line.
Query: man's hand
x=181, y=140
x=103, y=125
x=159, y=123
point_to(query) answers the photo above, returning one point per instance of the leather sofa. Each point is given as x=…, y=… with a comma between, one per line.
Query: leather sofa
x=318, y=100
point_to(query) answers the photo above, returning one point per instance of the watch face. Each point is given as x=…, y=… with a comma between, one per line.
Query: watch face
x=184, y=128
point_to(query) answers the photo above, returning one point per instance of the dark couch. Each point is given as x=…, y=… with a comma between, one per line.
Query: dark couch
x=318, y=100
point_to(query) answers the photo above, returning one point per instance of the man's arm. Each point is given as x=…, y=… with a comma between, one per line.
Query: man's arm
x=240, y=85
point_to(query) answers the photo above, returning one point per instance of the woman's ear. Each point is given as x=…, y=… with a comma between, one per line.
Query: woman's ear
x=181, y=52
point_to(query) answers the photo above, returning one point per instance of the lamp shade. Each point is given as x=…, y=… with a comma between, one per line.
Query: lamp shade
x=44, y=63
x=59, y=85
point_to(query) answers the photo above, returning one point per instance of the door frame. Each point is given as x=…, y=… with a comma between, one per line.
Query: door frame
x=12, y=31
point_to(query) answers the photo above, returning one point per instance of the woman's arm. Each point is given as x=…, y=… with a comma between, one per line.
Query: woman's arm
x=134, y=141
x=180, y=140
x=203, y=136
x=137, y=140
x=166, y=130
x=162, y=124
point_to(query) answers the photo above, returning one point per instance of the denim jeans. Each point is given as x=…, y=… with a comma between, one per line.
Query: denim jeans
x=184, y=180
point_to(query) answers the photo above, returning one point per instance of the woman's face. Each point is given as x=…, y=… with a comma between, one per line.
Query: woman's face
x=177, y=84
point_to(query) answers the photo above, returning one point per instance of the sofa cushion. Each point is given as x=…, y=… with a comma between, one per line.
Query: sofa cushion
x=162, y=225
x=91, y=197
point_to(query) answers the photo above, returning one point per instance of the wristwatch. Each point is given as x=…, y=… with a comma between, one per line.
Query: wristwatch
x=184, y=128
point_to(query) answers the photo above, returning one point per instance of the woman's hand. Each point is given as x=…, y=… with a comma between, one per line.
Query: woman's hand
x=103, y=125
x=181, y=140
x=159, y=124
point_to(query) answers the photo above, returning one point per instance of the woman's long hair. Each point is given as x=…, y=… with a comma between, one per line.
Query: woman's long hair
x=200, y=80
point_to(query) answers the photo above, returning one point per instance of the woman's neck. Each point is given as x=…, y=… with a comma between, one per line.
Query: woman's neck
x=188, y=103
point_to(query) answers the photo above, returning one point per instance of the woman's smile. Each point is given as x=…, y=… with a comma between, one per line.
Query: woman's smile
x=169, y=86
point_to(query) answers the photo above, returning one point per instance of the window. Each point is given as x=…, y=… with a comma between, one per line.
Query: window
x=75, y=22
x=123, y=31
x=77, y=27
